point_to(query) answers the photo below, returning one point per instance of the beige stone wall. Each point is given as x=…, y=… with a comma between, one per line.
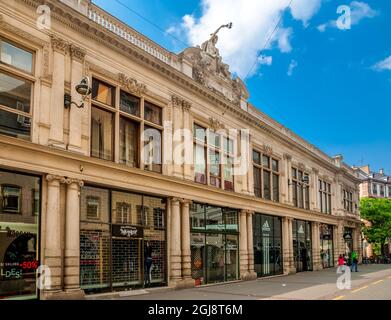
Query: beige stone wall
x=60, y=145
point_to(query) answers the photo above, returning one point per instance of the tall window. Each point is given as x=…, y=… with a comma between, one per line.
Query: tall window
x=16, y=90
x=140, y=124
x=348, y=200
x=266, y=176
x=300, y=189
x=324, y=196
x=381, y=190
x=374, y=189
x=218, y=151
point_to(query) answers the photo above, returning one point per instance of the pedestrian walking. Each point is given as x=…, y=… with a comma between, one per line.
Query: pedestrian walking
x=148, y=263
x=341, y=262
x=354, y=261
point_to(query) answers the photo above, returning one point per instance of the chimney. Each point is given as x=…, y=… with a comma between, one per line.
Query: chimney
x=381, y=171
x=338, y=160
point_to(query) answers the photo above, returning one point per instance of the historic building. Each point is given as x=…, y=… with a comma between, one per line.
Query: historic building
x=123, y=165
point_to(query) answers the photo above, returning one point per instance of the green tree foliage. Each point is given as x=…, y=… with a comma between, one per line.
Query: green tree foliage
x=378, y=213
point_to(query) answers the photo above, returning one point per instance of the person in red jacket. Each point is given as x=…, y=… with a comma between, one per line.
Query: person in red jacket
x=341, y=262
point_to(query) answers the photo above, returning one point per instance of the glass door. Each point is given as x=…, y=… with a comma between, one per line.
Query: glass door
x=215, y=257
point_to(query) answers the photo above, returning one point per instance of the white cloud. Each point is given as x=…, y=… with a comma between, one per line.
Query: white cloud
x=358, y=12
x=253, y=23
x=383, y=65
x=266, y=60
x=291, y=67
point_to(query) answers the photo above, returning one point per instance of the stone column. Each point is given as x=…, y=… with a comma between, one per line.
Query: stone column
x=75, y=114
x=336, y=245
x=317, y=263
x=357, y=245
x=56, y=136
x=286, y=247
x=185, y=238
x=292, y=266
x=175, y=239
x=72, y=236
x=53, y=233
x=250, y=246
x=243, y=252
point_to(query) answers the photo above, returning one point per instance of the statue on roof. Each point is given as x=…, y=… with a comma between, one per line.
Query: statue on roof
x=209, y=46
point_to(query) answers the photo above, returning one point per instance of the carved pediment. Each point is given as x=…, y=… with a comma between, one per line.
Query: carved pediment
x=132, y=84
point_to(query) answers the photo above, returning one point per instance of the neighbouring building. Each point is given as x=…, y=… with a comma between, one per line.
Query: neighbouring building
x=373, y=185
x=84, y=187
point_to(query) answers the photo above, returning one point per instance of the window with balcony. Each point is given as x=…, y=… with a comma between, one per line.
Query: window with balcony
x=16, y=90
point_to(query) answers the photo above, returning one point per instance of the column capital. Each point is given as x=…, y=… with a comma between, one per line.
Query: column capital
x=315, y=170
x=60, y=45
x=287, y=156
x=70, y=181
x=175, y=200
x=53, y=177
x=186, y=201
x=77, y=53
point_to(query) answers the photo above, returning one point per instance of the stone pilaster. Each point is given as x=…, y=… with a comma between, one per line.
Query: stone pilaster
x=288, y=178
x=188, y=141
x=287, y=249
x=53, y=256
x=317, y=263
x=185, y=238
x=75, y=114
x=336, y=245
x=72, y=237
x=314, y=189
x=56, y=135
x=243, y=252
x=177, y=136
x=250, y=246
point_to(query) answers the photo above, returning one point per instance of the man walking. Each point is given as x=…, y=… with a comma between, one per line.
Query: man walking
x=354, y=261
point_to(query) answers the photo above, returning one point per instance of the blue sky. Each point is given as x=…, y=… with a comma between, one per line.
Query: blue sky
x=338, y=93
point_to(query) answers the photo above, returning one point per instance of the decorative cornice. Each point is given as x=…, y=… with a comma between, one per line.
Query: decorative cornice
x=132, y=84
x=77, y=53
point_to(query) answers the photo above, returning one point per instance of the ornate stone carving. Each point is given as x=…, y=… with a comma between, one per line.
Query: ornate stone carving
x=53, y=177
x=267, y=149
x=181, y=103
x=132, y=84
x=60, y=45
x=77, y=53
x=315, y=170
x=301, y=166
x=80, y=183
x=287, y=156
x=215, y=124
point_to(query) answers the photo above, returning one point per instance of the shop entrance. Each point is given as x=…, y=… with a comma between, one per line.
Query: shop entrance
x=302, y=248
x=127, y=257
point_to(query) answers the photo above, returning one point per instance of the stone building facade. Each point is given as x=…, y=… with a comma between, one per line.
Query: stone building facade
x=99, y=181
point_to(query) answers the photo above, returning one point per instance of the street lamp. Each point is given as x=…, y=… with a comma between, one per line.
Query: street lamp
x=83, y=88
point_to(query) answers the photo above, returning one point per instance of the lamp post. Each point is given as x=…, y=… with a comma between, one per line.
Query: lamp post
x=84, y=89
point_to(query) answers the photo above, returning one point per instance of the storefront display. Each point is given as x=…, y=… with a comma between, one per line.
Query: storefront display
x=267, y=245
x=302, y=245
x=20, y=201
x=214, y=244
x=326, y=245
x=115, y=229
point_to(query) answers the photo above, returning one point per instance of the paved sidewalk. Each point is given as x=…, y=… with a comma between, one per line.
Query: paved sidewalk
x=316, y=285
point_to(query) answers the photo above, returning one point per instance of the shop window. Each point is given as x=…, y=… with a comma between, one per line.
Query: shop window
x=130, y=104
x=102, y=134
x=103, y=92
x=142, y=215
x=324, y=196
x=158, y=218
x=122, y=212
x=152, y=113
x=19, y=259
x=300, y=189
x=93, y=207
x=12, y=199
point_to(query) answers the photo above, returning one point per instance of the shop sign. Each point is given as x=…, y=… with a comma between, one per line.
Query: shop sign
x=266, y=227
x=347, y=236
x=127, y=231
x=301, y=230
